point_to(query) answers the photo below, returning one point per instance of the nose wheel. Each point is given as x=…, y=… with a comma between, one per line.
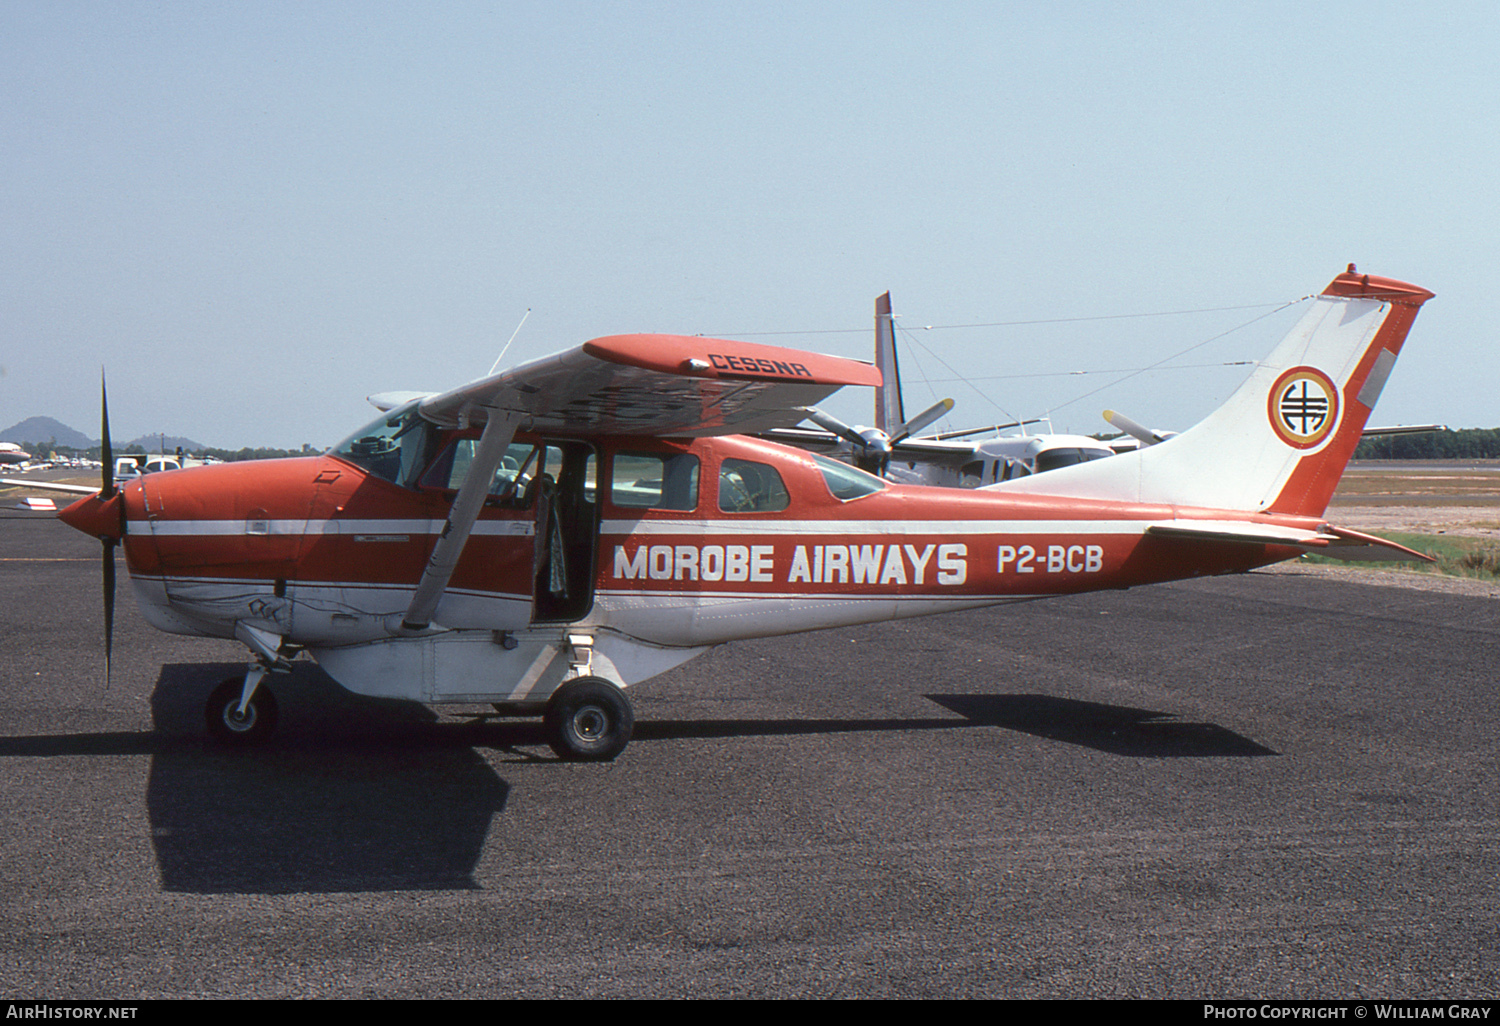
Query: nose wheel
x=229, y=724
x=588, y=719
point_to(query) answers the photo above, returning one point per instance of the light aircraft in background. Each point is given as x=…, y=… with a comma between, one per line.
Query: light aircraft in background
x=11, y=453
x=546, y=537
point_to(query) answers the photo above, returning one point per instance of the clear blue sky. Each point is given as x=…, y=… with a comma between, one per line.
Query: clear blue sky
x=254, y=215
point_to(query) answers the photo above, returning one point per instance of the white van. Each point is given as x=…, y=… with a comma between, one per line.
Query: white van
x=136, y=465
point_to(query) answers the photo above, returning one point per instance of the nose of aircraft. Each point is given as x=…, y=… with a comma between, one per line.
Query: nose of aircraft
x=97, y=516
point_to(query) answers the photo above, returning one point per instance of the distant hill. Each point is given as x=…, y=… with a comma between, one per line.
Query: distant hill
x=45, y=429
x=159, y=443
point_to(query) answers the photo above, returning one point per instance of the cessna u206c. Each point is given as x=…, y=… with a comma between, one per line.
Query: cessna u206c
x=545, y=537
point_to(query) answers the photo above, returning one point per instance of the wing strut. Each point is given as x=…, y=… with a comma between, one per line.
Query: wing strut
x=499, y=429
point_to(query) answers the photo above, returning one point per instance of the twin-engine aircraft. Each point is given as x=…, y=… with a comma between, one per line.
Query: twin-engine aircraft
x=548, y=536
x=893, y=449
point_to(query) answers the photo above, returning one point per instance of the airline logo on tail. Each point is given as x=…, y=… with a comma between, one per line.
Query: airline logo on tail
x=1304, y=407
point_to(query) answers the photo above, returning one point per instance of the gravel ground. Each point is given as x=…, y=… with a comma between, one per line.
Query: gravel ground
x=1469, y=521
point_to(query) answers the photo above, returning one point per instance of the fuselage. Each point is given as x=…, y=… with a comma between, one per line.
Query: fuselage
x=686, y=543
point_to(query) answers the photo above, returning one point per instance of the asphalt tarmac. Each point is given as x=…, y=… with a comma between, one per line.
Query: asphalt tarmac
x=1269, y=786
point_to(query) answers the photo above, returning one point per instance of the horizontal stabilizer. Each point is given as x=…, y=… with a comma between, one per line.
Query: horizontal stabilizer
x=1356, y=546
x=1326, y=540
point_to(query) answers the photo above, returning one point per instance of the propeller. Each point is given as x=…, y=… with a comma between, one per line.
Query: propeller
x=872, y=446
x=103, y=516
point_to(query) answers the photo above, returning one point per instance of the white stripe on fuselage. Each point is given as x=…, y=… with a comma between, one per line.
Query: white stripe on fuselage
x=866, y=527
x=614, y=528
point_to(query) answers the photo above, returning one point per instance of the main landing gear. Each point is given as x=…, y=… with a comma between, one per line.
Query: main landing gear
x=588, y=719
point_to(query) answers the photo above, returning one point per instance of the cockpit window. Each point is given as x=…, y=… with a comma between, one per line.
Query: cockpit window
x=393, y=447
x=747, y=487
x=846, y=482
x=509, y=484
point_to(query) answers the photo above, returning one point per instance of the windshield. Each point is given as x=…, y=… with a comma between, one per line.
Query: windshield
x=393, y=446
x=846, y=482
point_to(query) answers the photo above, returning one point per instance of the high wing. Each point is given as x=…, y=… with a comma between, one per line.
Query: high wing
x=667, y=385
x=664, y=385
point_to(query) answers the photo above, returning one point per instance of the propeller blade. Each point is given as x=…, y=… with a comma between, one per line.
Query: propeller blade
x=106, y=453
x=921, y=420
x=107, y=491
x=109, y=606
x=1130, y=427
x=838, y=427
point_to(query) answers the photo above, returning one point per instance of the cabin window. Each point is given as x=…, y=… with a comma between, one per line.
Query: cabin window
x=654, y=481
x=746, y=487
x=846, y=482
x=1052, y=459
x=395, y=447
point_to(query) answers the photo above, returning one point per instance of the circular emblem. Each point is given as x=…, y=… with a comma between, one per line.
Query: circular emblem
x=1304, y=407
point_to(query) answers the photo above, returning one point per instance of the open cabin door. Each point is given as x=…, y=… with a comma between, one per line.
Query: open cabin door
x=567, y=532
x=535, y=537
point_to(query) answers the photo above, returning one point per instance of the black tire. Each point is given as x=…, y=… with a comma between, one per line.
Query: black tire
x=227, y=726
x=589, y=720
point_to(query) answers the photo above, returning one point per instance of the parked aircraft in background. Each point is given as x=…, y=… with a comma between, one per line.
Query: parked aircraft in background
x=893, y=449
x=545, y=537
x=11, y=453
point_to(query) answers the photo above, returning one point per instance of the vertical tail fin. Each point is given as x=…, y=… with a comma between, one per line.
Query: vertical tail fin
x=1281, y=441
x=1324, y=437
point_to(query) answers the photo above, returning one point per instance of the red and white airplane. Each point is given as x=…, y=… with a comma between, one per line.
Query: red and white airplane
x=546, y=537
x=10, y=452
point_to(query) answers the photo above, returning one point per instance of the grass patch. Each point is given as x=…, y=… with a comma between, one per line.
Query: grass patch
x=1456, y=555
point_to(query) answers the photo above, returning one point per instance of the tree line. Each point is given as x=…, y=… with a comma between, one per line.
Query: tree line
x=1463, y=444
x=47, y=450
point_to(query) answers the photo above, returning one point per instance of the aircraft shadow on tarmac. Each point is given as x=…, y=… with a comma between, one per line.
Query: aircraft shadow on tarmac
x=360, y=794
x=353, y=794
x=1116, y=729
